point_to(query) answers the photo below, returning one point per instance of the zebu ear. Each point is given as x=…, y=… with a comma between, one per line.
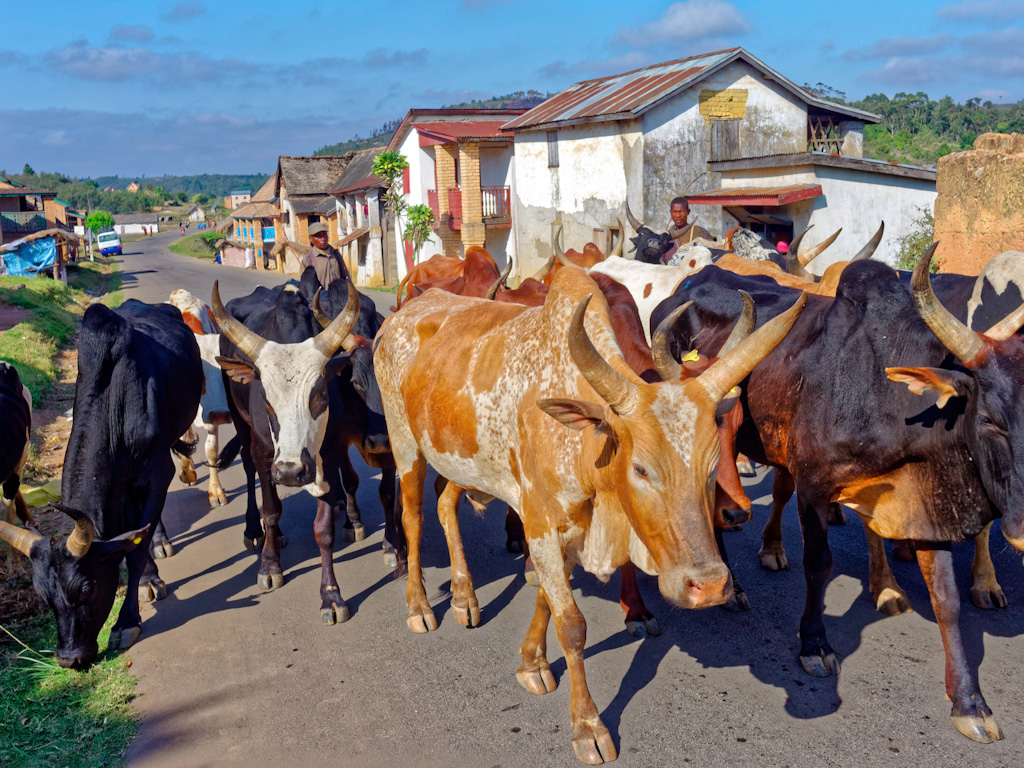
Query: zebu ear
x=576, y=414
x=119, y=545
x=921, y=380
x=337, y=364
x=238, y=370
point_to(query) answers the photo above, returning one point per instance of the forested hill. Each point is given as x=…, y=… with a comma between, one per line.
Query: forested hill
x=918, y=130
x=211, y=184
x=380, y=136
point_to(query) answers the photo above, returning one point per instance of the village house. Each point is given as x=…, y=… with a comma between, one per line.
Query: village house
x=743, y=143
x=136, y=223
x=359, y=227
x=461, y=166
x=196, y=213
x=236, y=198
x=300, y=185
x=25, y=211
x=133, y=187
x=254, y=223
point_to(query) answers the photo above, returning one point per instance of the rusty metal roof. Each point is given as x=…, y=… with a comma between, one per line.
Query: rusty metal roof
x=630, y=94
x=757, y=195
x=450, y=131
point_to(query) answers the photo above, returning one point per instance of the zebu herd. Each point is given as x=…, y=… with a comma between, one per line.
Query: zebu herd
x=605, y=401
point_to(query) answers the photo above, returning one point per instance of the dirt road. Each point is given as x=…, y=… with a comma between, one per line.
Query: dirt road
x=232, y=675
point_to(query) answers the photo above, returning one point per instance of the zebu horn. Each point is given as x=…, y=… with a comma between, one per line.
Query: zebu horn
x=964, y=343
x=865, y=253
x=666, y=366
x=493, y=290
x=556, y=246
x=1008, y=326
x=622, y=239
x=732, y=368
x=614, y=388
x=322, y=320
x=794, y=265
x=20, y=539
x=333, y=336
x=634, y=222
x=246, y=340
x=673, y=233
x=80, y=539
x=545, y=270
x=813, y=253
x=744, y=325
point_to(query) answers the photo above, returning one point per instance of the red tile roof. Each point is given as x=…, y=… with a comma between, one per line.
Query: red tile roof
x=453, y=130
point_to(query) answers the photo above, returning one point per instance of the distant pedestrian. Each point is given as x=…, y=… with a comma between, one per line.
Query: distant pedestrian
x=249, y=263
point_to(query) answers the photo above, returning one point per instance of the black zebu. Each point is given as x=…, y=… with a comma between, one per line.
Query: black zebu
x=830, y=411
x=139, y=381
x=282, y=388
x=15, y=425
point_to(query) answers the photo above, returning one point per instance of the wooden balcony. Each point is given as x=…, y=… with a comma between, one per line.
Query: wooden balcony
x=496, y=203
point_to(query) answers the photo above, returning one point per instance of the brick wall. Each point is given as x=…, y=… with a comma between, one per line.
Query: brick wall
x=445, y=155
x=473, y=232
x=730, y=103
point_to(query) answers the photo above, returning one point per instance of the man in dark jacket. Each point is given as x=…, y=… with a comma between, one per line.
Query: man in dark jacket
x=323, y=257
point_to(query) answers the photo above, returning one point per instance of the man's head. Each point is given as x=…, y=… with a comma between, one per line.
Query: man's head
x=679, y=211
x=318, y=235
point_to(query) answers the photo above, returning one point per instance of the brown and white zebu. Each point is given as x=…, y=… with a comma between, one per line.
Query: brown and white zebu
x=632, y=479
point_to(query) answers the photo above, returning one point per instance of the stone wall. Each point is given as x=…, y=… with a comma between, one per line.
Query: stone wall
x=979, y=212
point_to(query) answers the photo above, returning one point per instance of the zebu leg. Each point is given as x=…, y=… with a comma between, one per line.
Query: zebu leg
x=162, y=546
x=889, y=596
x=640, y=622
x=421, y=618
x=971, y=715
x=773, y=554
x=395, y=549
x=534, y=674
x=332, y=606
x=270, y=575
x=216, y=490
x=187, y=475
x=464, y=600
x=353, y=530
x=985, y=591
x=816, y=655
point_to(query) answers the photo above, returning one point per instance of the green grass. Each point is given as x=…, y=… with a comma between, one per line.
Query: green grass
x=198, y=246
x=57, y=717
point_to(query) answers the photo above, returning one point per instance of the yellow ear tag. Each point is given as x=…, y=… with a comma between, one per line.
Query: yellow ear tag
x=691, y=357
x=137, y=540
x=734, y=392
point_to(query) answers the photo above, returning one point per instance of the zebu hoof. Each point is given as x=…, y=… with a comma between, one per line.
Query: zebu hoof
x=355, y=532
x=188, y=478
x=820, y=664
x=422, y=622
x=978, y=724
x=530, y=573
x=122, y=639
x=218, y=500
x=390, y=560
x=537, y=680
x=334, y=613
x=271, y=580
x=593, y=743
x=253, y=545
x=988, y=598
x=893, y=602
x=152, y=590
x=773, y=557
x=738, y=601
x=642, y=628
x=162, y=549
x=467, y=613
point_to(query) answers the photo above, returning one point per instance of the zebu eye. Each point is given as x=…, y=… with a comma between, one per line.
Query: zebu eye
x=640, y=471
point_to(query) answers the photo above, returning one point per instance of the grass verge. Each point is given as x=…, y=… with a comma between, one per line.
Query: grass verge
x=57, y=717
x=198, y=246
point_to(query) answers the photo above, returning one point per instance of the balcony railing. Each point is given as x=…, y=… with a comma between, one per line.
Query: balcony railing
x=22, y=223
x=496, y=203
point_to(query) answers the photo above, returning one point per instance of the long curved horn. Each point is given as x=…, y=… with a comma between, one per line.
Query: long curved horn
x=794, y=265
x=248, y=341
x=813, y=253
x=615, y=389
x=318, y=312
x=333, y=336
x=622, y=239
x=492, y=292
x=729, y=370
x=1008, y=326
x=80, y=539
x=744, y=325
x=865, y=253
x=20, y=539
x=634, y=222
x=557, y=248
x=964, y=343
x=666, y=366
x=545, y=270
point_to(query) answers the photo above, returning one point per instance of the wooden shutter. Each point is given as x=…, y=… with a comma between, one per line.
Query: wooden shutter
x=552, y=149
x=405, y=182
x=725, y=139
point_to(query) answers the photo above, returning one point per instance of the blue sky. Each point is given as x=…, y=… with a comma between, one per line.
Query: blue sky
x=198, y=86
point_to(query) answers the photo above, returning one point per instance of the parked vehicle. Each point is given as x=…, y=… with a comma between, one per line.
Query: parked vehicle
x=109, y=242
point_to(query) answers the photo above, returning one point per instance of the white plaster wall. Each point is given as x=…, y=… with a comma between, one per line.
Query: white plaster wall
x=495, y=165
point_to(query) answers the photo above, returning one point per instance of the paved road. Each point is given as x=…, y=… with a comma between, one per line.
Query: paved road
x=232, y=675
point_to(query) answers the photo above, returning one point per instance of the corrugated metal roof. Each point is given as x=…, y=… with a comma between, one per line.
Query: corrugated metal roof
x=757, y=195
x=629, y=94
x=453, y=130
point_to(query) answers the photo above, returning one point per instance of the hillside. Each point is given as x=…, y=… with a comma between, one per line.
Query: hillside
x=514, y=100
x=213, y=184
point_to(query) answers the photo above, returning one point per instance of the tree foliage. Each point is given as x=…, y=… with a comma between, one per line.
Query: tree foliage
x=417, y=229
x=911, y=246
x=390, y=166
x=98, y=220
x=27, y=170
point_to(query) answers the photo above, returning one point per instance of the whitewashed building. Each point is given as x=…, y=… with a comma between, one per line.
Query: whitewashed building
x=742, y=142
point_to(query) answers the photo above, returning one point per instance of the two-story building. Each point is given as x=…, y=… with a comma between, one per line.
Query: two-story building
x=742, y=142
x=237, y=197
x=461, y=165
x=25, y=211
x=359, y=225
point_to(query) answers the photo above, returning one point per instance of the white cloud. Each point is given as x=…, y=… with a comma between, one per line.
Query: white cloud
x=690, y=20
x=887, y=47
x=982, y=11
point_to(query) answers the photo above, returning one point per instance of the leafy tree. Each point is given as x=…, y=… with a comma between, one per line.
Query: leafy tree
x=389, y=166
x=420, y=217
x=911, y=247
x=27, y=170
x=181, y=197
x=200, y=199
x=98, y=220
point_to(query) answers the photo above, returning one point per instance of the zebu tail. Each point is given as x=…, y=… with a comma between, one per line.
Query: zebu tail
x=184, y=448
x=229, y=453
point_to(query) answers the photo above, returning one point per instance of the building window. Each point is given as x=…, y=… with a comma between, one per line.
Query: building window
x=552, y=149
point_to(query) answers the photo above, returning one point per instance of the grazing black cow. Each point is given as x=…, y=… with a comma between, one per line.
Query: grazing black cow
x=139, y=381
x=281, y=392
x=827, y=409
x=15, y=426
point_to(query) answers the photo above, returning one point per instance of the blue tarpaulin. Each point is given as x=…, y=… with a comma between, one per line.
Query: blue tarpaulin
x=29, y=259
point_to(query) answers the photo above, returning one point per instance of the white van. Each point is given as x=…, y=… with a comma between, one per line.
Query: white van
x=109, y=242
